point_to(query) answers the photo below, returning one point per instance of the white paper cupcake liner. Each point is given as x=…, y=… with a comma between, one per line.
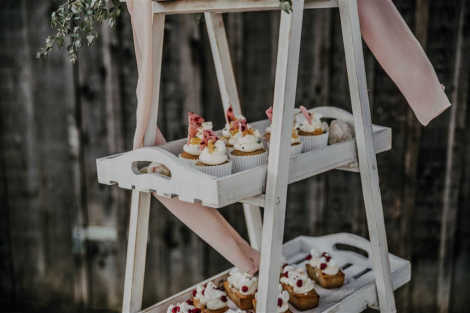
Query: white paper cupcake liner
x=314, y=142
x=241, y=163
x=188, y=161
x=295, y=150
x=217, y=170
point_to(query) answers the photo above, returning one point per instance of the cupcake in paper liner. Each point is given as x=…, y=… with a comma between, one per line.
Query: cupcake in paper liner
x=192, y=148
x=213, y=159
x=296, y=144
x=248, y=151
x=231, y=131
x=312, y=131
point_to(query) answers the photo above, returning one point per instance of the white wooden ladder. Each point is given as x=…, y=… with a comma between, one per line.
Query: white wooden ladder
x=268, y=236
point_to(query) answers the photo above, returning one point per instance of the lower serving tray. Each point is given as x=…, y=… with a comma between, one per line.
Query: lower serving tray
x=190, y=185
x=350, y=252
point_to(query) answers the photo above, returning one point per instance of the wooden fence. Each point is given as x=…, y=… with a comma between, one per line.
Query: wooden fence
x=57, y=118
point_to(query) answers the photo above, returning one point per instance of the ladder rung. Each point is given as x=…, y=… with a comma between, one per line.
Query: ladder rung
x=226, y=6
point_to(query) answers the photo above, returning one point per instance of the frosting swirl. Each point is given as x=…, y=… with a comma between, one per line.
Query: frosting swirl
x=249, y=141
x=242, y=282
x=297, y=278
x=323, y=261
x=303, y=124
x=214, y=153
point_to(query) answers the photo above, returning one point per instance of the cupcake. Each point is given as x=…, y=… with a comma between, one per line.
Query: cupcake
x=231, y=129
x=322, y=269
x=248, y=150
x=300, y=287
x=241, y=288
x=296, y=144
x=192, y=148
x=213, y=159
x=312, y=131
x=210, y=299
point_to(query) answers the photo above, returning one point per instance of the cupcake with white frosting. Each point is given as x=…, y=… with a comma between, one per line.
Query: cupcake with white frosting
x=312, y=131
x=282, y=301
x=213, y=159
x=322, y=268
x=248, y=150
x=296, y=144
x=231, y=129
x=192, y=147
x=210, y=299
x=241, y=288
x=300, y=287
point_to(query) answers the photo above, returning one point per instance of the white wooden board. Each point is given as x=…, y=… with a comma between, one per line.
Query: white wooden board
x=191, y=185
x=355, y=295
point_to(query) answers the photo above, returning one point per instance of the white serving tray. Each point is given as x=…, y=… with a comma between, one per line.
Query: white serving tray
x=191, y=185
x=358, y=291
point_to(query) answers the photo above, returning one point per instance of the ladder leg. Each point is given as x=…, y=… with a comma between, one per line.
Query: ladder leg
x=222, y=60
x=140, y=203
x=366, y=152
x=277, y=180
x=136, y=252
x=229, y=94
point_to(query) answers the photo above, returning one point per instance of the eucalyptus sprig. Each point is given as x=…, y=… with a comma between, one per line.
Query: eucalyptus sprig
x=286, y=5
x=75, y=22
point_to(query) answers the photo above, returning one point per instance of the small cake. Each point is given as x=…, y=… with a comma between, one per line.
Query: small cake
x=210, y=299
x=296, y=144
x=231, y=129
x=184, y=307
x=248, y=150
x=241, y=288
x=322, y=269
x=312, y=131
x=296, y=282
x=282, y=301
x=213, y=159
x=192, y=148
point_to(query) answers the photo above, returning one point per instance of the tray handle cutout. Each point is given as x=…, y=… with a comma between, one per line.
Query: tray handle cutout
x=151, y=168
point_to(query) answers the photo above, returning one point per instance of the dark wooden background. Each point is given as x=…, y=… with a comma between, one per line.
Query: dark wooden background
x=56, y=119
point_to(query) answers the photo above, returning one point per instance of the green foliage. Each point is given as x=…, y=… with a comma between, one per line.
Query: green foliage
x=75, y=22
x=286, y=5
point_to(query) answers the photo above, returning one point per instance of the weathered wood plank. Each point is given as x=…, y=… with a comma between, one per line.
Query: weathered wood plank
x=366, y=154
x=290, y=31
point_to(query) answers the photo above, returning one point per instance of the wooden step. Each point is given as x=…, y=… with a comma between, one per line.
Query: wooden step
x=358, y=292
